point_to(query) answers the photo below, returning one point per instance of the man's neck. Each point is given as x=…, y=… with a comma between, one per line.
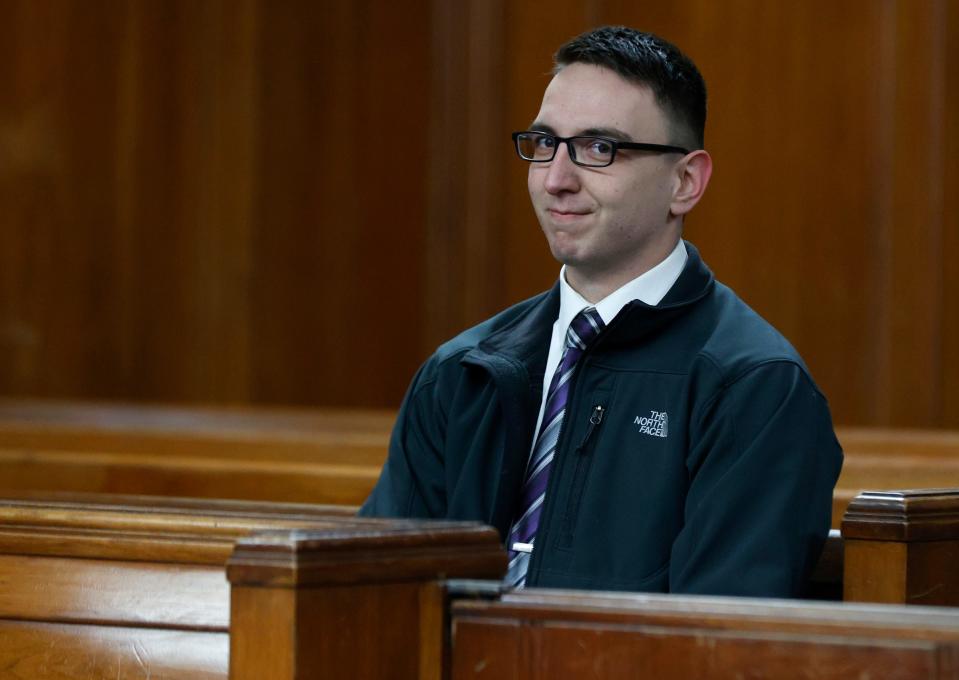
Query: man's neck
x=595, y=287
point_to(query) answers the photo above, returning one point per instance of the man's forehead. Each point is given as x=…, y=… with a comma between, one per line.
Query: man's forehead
x=587, y=99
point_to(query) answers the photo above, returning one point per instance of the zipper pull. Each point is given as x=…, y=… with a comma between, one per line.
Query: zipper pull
x=595, y=418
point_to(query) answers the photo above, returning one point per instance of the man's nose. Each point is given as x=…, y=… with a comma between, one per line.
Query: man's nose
x=563, y=174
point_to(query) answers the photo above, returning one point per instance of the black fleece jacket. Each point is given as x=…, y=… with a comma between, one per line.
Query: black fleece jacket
x=711, y=469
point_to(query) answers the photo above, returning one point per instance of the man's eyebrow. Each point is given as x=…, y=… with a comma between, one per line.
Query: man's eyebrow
x=536, y=126
x=611, y=132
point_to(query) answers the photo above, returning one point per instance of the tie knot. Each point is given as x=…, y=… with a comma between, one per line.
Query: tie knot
x=584, y=328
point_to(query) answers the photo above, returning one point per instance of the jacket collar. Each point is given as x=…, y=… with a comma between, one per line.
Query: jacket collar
x=692, y=285
x=526, y=339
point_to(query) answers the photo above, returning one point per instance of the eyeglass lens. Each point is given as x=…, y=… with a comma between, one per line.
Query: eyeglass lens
x=541, y=147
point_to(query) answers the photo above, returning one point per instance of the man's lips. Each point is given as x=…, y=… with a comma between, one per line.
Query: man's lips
x=566, y=214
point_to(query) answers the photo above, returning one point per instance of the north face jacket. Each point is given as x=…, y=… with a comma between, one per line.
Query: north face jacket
x=697, y=454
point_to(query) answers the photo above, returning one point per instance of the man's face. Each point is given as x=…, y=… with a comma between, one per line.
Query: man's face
x=607, y=225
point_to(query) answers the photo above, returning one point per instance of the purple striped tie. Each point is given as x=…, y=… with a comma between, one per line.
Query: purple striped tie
x=583, y=329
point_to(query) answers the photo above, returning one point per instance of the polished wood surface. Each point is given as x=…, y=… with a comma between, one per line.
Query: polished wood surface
x=317, y=456
x=213, y=201
x=100, y=526
x=323, y=595
x=361, y=602
x=135, y=593
x=886, y=458
x=261, y=620
x=59, y=651
x=869, y=441
x=546, y=634
x=280, y=213
x=890, y=472
x=340, y=435
x=364, y=551
x=902, y=547
x=223, y=477
x=94, y=586
x=388, y=613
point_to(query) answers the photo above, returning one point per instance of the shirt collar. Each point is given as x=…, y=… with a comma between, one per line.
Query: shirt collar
x=650, y=287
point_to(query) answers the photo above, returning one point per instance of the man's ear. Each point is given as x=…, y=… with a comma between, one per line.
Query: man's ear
x=693, y=174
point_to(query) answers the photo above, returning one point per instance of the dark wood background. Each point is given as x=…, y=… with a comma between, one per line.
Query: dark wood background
x=245, y=201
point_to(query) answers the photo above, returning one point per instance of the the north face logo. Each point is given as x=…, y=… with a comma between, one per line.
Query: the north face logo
x=655, y=425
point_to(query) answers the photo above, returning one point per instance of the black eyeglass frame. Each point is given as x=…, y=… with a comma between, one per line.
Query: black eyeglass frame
x=615, y=143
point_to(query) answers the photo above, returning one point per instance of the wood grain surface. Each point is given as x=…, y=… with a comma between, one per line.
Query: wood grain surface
x=328, y=456
x=53, y=651
x=543, y=634
x=319, y=455
x=292, y=203
x=358, y=601
x=95, y=587
x=902, y=547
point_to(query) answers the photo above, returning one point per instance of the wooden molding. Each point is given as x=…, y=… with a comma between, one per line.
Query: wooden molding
x=144, y=528
x=905, y=516
x=359, y=602
x=392, y=551
x=619, y=635
x=902, y=546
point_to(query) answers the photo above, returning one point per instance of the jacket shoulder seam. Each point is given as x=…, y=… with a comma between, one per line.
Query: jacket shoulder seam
x=730, y=381
x=432, y=377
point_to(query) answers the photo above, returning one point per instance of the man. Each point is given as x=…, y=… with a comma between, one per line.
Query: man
x=637, y=427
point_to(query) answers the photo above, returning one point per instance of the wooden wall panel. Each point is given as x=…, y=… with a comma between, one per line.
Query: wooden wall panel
x=337, y=288
x=950, y=233
x=464, y=260
x=295, y=202
x=217, y=201
x=183, y=188
x=47, y=224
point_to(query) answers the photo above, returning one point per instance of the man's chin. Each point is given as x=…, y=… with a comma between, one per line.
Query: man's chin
x=564, y=242
x=570, y=258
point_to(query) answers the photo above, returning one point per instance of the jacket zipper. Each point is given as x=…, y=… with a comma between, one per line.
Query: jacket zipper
x=595, y=418
x=548, y=502
x=579, y=477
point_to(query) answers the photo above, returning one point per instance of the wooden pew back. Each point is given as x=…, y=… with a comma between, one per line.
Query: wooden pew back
x=886, y=459
x=542, y=634
x=134, y=588
x=125, y=587
x=318, y=456
x=897, y=442
x=902, y=547
x=386, y=613
x=322, y=456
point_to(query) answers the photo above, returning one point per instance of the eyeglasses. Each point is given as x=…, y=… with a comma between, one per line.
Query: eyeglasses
x=591, y=152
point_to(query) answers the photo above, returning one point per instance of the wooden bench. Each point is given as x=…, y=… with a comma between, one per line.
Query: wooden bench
x=586, y=635
x=321, y=456
x=318, y=456
x=879, y=458
x=128, y=587
x=378, y=619
x=134, y=587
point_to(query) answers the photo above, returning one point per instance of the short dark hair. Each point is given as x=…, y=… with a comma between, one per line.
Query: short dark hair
x=649, y=60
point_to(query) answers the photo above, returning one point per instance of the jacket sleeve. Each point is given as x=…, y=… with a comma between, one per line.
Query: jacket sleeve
x=763, y=461
x=412, y=481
